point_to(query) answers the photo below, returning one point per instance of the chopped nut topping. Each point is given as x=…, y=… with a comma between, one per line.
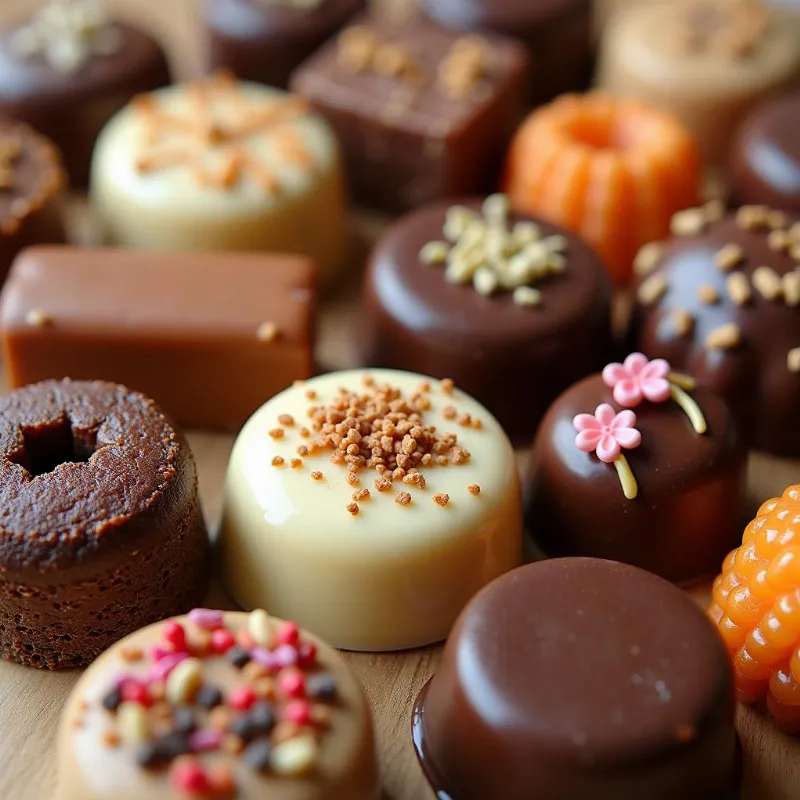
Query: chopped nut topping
x=311, y=395
x=267, y=332
x=353, y=509
x=738, y=288
x=793, y=360
x=383, y=484
x=464, y=66
x=287, y=420
x=683, y=322
x=753, y=217
x=447, y=386
x=690, y=222
x=276, y=433
x=728, y=257
x=361, y=494
x=474, y=489
x=652, y=290
x=402, y=498
x=767, y=283
x=647, y=258
x=296, y=463
x=316, y=475
x=708, y=294
x=725, y=337
x=779, y=241
x=791, y=288
x=441, y=499
x=777, y=219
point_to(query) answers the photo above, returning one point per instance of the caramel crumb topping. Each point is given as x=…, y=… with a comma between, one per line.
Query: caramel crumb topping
x=793, y=360
x=448, y=386
x=276, y=433
x=131, y=653
x=316, y=475
x=402, y=499
x=383, y=484
x=353, y=509
x=361, y=495
x=311, y=395
x=267, y=332
x=361, y=50
x=682, y=322
x=287, y=420
x=296, y=463
x=464, y=67
x=111, y=739
x=725, y=337
x=474, y=489
x=441, y=499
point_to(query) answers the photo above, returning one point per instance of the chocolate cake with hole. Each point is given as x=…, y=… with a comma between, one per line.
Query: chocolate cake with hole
x=100, y=524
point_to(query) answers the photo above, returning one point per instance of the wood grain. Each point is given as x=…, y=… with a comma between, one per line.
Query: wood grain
x=30, y=700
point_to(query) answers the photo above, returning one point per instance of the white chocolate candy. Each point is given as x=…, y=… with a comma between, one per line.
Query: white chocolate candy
x=391, y=576
x=221, y=165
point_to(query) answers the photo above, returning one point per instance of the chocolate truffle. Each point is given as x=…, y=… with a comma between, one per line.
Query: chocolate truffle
x=557, y=33
x=721, y=300
x=32, y=181
x=511, y=308
x=422, y=113
x=584, y=679
x=66, y=70
x=706, y=61
x=370, y=508
x=221, y=165
x=661, y=488
x=765, y=159
x=266, y=40
x=218, y=705
x=101, y=528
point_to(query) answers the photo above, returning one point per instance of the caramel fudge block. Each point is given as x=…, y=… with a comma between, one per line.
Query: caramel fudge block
x=421, y=112
x=209, y=336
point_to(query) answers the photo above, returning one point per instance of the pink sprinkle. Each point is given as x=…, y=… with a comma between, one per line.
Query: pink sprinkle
x=246, y=641
x=189, y=777
x=205, y=740
x=285, y=656
x=207, y=618
x=174, y=634
x=292, y=683
x=221, y=641
x=288, y=634
x=307, y=655
x=123, y=678
x=266, y=658
x=157, y=652
x=298, y=712
x=133, y=692
x=241, y=698
x=162, y=668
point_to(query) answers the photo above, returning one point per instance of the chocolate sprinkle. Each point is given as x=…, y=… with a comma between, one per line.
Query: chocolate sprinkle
x=237, y=656
x=112, y=699
x=262, y=718
x=162, y=751
x=321, y=687
x=184, y=719
x=242, y=726
x=209, y=696
x=257, y=755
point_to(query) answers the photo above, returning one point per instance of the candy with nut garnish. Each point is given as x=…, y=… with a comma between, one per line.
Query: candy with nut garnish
x=512, y=308
x=370, y=507
x=68, y=67
x=221, y=165
x=638, y=464
x=721, y=301
x=422, y=113
x=217, y=705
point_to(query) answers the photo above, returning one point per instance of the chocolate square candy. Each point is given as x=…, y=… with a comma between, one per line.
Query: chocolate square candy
x=422, y=113
x=209, y=336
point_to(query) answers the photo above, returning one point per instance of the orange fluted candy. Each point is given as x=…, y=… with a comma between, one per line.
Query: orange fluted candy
x=756, y=606
x=612, y=170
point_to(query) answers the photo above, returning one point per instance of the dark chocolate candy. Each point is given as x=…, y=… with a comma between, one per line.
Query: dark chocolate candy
x=72, y=102
x=421, y=113
x=266, y=40
x=748, y=351
x=583, y=679
x=687, y=514
x=765, y=160
x=558, y=34
x=515, y=359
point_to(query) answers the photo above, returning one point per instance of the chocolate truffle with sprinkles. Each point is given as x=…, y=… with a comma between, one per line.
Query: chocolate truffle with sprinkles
x=514, y=309
x=370, y=507
x=721, y=300
x=168, y=714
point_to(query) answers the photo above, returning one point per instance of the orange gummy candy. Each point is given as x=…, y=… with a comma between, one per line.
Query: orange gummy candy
x=612, y=170
x=756, y=606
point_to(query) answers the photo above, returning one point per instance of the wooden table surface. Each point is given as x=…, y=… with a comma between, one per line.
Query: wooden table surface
x=31, y=700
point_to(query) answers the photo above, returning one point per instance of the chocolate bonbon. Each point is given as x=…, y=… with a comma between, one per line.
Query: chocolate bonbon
x=103, y=531
x=346, y=510
x=557, y=34
x=512, y=308
x=765, y=155
x=32, y=182
x=69, y=67
x=422, y=113
x=266, y=40
x=218, y=705
x=721, y=300
x=221, y=165
x=584, y=679
x=638, y=464
x=209, y=336
x=706, y=61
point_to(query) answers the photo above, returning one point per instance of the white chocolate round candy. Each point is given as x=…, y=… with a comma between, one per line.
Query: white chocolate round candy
x=221, y=165
x=190, y=745
x=395, y=569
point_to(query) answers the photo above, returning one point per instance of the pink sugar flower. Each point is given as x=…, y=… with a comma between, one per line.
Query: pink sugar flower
x=606, y=433
x=639, y=379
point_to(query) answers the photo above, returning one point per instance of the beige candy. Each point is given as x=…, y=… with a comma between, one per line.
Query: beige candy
x=396, y=575
x=221, y=165
x=344, y=768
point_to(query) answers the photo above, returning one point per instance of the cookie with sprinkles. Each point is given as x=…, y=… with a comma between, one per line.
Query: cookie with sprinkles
x=217, y=705
x=721, y=301
x=370, y=507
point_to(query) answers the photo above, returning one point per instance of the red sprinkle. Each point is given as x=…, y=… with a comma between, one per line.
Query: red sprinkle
x=298, y=712
x=307, y=655
x=289, y=633
x=222, y=640
x=292, y=683
x=133, y=692
x=241, y=698
x=189, y=777
x=174, y=634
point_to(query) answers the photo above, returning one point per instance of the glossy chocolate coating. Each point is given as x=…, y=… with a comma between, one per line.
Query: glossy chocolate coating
x=407, y=141
x=754, y=376
x=72, y=109
x=514, y=359
x=558, y=34
x=765, y=161
x=688, y=512
x=583, y=679
x=265, y=41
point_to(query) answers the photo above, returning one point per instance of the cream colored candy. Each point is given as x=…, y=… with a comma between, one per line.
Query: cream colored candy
x=221, y=165
x=709, y=88
x=396, y=574
x=337, y=762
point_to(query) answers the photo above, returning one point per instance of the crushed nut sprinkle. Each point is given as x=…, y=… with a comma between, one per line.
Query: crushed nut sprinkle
x=353, y=509
x=474, y=489
x=267, y=332
x=651, y=290
x=752, y=218
x=767, y=283
x=296, y=463
x=726, y=337
x=277, y=433
x=791, y=288
x=441, y=499
x=360, y=49
x=729, y=257
x=708, y=294
x=402, y=499
x=793, y=360
x=738, y=288
x=464, y=67
x=316, y=475
x=689, y=222
x=287, y=420
x=448, y=386
x=361, y=495
x=647, y=258
x=682, y=322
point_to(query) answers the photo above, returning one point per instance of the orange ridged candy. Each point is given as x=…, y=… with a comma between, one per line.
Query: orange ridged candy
x=612, y=170
x=756, y=606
